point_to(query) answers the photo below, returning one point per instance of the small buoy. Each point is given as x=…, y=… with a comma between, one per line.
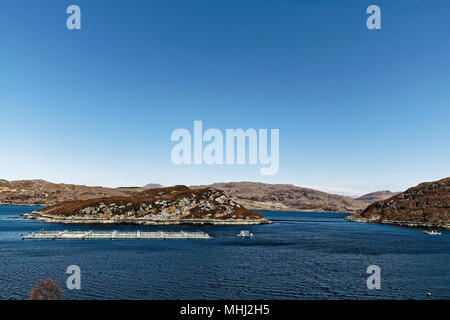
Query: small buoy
x=429, y=294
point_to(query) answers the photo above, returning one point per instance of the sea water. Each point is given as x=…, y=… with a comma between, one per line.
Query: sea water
x=300, y=256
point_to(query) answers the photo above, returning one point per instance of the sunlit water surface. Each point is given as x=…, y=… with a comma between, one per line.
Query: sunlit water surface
x=300, y=256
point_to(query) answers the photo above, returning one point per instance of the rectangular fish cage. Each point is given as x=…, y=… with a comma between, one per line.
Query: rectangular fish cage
x=112, y=235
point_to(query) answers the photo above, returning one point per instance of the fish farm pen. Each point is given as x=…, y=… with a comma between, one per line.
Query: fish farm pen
x=113, y=235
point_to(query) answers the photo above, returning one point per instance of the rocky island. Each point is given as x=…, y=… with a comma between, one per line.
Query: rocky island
x=426, y=205
x=160, y=206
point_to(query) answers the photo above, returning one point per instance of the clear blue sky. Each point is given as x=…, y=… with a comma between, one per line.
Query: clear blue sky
x=358, y=110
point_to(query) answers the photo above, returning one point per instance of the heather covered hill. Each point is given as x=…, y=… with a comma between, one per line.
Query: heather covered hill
x=426, y=205
x=40, y=192
x=286, y=197
x=161, y=206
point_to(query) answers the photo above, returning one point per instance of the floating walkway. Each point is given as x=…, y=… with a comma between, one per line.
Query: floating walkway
x=113, y=235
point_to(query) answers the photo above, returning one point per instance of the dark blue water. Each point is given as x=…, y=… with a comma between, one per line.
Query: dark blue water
x=299, y=256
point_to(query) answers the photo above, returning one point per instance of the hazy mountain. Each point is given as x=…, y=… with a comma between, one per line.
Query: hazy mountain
x=377, y=196
x=153, y=186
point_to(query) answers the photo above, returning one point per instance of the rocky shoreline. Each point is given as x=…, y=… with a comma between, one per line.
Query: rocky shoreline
x=21, y=204
x=140, y=221
x=410, y=224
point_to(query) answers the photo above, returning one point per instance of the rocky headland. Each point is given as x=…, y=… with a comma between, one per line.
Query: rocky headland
x=161, y=206
x=426, y=205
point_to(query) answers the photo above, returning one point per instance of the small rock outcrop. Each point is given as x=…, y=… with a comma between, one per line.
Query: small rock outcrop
x=426, y=205
x=160, y=206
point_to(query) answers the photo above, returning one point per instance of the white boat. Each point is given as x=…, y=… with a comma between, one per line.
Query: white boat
x=245, y=234
x=432, y=233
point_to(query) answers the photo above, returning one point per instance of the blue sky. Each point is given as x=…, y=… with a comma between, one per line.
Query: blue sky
x=358, y=110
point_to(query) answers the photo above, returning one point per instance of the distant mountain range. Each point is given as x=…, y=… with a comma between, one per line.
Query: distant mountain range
x=286, y=197
x=253, y=195
x=257, y=196
x=426, y=205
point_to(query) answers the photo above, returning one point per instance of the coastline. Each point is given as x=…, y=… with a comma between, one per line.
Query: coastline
x=409, y=224
x=25, y=204
x=136, y=221
x=247, y=207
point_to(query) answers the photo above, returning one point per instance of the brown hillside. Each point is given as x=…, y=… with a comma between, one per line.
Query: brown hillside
x=427, y=204
x=41, y=192
x=262, y=196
